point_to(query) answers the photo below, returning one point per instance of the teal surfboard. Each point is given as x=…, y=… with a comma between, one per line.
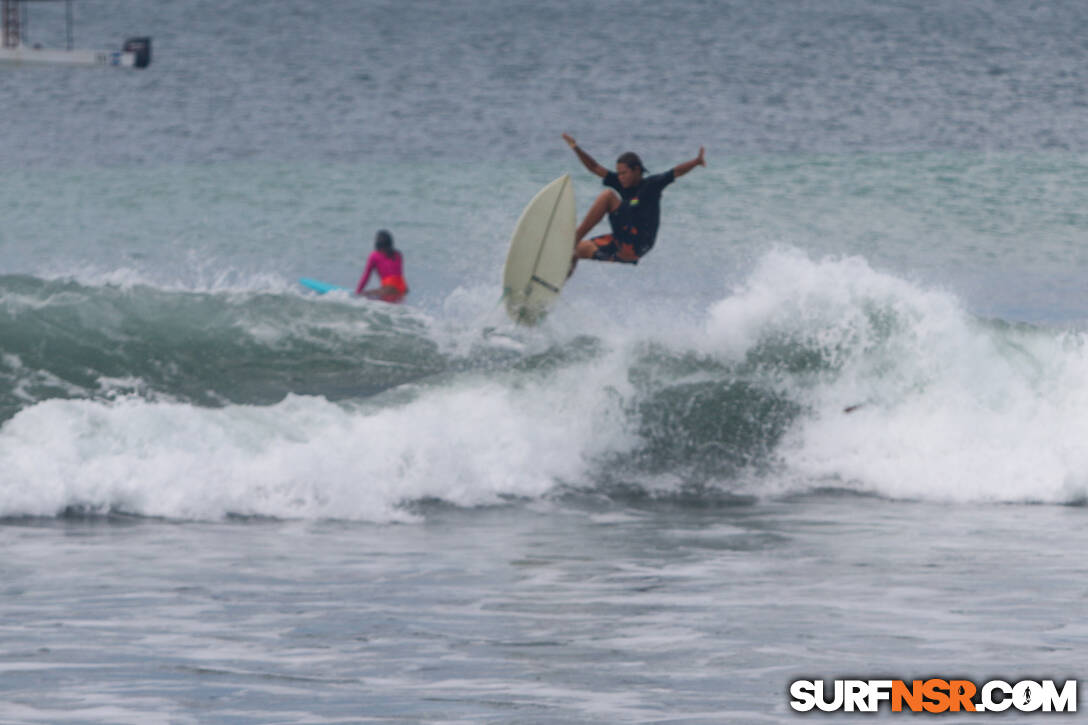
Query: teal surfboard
x=319, y=286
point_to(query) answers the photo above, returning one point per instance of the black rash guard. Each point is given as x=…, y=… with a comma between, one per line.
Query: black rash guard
x=636, y=220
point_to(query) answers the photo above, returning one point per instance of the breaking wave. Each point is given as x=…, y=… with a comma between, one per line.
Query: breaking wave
x=810, y=374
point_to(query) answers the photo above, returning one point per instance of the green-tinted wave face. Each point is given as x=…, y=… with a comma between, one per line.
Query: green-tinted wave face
x=63, y=339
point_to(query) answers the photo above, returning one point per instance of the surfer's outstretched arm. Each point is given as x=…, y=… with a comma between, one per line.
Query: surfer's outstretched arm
x=681, y=169
x=588, y=161
x=366, y=276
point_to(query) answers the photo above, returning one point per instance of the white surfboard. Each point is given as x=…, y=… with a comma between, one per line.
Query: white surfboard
x=538, y=262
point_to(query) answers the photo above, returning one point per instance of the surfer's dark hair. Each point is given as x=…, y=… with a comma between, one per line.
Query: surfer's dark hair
x=383, y=241
x=631, y=160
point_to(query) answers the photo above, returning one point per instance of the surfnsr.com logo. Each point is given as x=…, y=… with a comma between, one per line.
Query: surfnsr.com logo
x=934, y=695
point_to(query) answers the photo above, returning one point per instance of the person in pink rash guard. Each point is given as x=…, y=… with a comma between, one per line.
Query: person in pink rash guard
x=389, y=264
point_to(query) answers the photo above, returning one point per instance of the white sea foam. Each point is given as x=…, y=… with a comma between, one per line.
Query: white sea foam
x=470, y=444
x=952, y=408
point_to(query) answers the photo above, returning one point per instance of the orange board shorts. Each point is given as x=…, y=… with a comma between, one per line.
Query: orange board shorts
x=610, y=250
x=397, y=282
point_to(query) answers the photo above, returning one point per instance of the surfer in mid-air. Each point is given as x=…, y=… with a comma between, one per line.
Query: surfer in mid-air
x=632, y=203
x=389, y=264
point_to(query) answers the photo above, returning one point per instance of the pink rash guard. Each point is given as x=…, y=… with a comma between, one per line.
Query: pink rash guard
x=390, y=271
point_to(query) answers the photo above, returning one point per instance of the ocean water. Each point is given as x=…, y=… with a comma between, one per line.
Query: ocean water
x=834, y=426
